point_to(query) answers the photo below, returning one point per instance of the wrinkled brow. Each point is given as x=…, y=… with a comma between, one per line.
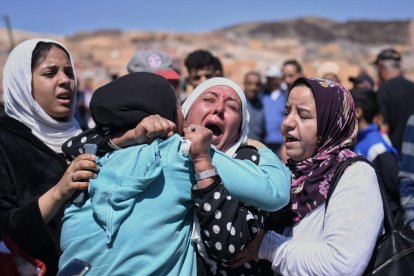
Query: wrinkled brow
x=216, y=94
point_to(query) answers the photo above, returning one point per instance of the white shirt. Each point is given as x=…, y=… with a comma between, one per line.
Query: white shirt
x=343, y=246
x=275, y=94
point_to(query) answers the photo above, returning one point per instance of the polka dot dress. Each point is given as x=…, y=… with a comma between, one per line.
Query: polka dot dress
x=227, y=225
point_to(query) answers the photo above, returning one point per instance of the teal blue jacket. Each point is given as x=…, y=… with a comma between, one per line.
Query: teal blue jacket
x=138, y=219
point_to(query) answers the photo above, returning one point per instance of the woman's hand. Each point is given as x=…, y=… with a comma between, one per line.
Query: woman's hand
x=250, y=252
x=150, y=128
x=76, y=176
x=200, y=138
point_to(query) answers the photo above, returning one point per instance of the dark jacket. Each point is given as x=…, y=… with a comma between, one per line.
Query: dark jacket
x=28, y=168
x=396, y=97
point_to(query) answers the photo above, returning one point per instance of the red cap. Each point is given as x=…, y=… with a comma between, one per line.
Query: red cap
x=168, y=74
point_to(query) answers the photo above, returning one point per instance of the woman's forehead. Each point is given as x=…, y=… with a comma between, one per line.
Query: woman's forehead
x=302, y=94
x=223, y=90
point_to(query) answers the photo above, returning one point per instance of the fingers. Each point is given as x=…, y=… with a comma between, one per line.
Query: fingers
x=239, y=260
x=80, y=185
x=86, y=156
x=88, y=164
x=80, y=179
x=161, y=129
x=82, y=175
x=82, y=169
x=191, y=128
x=250, y=252
x=196, y=130
x=246, y=255
x=198, y=134
x=158, y=127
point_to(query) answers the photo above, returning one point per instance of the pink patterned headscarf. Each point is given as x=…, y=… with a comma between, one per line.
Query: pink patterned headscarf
x=337, y=127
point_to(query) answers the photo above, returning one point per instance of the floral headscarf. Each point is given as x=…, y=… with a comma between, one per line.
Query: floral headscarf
x=337, y=127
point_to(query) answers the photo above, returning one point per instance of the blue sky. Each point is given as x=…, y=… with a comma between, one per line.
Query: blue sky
x=71, y=16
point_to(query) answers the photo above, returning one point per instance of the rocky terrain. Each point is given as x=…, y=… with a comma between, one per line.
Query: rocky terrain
x=353, y=45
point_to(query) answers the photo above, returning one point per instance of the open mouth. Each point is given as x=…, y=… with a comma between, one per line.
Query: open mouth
x=216, y=129
x=290, y=138
x=64, y=98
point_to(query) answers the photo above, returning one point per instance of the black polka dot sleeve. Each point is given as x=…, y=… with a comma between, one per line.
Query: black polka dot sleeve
x=100, y=137
x=227, y=225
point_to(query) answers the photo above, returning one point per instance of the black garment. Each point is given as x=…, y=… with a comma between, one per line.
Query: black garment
x=98, y=136
x=387, y=167
x=2, y=111
x=28, y=168
x=227, y=225
x=124, y=102
x=397, y=104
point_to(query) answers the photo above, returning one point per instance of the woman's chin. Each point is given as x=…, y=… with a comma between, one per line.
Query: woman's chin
x=294, y=155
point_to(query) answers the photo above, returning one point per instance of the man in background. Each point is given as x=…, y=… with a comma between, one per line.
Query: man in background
x=274, y=101
x=407, y=173
x=200, y=67
x=252, y=89
x=292, y=70
x=396, y=95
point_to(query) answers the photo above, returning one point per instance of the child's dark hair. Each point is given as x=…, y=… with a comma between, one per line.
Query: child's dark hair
x=41, y=50
x=367, y=100
x=198, y=60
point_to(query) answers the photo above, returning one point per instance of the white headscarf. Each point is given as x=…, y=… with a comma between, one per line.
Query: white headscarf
x=245, y=113
x=20, y=104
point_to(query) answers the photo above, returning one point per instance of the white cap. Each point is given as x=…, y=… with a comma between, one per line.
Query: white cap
x=273, y=71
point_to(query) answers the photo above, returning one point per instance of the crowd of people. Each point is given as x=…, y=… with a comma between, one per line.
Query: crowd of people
x=223, y=180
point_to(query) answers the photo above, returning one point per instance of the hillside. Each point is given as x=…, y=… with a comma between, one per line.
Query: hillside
x=315, y=29
x=243, y=47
